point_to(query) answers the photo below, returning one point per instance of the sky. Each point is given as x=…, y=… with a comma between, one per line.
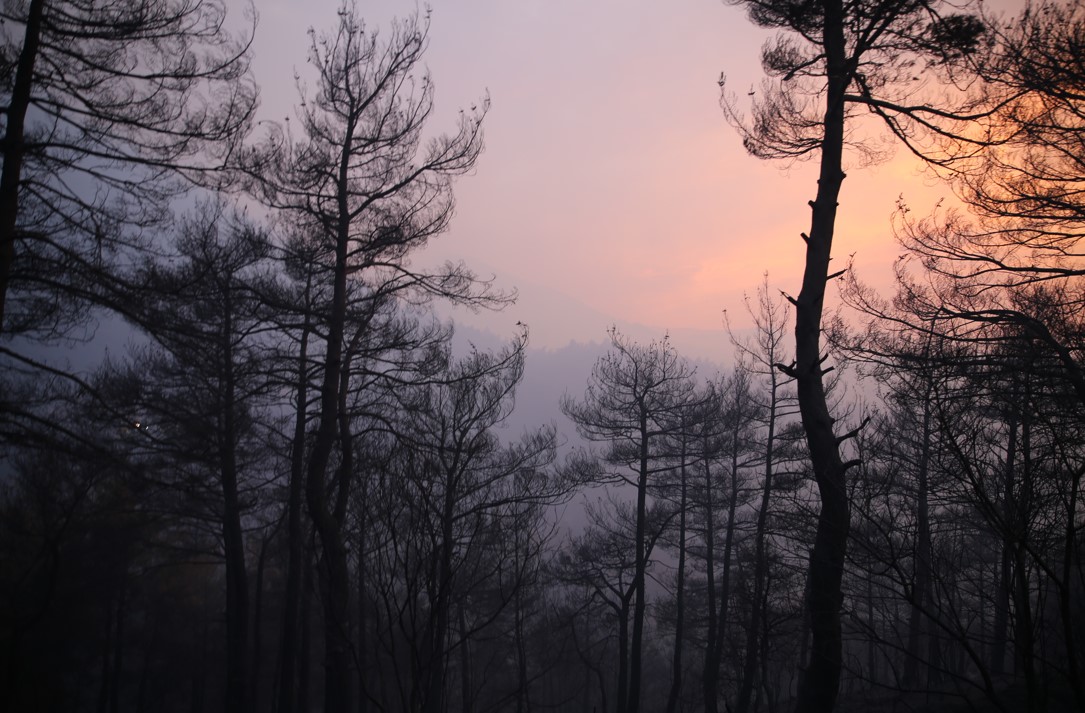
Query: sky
x=611, y=189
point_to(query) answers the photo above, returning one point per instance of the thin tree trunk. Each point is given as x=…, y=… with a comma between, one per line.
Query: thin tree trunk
x=921, y=591
x=753, y=632
x=680, y=597
x=640, y=567
x=1005, y=584
x=437, y=636
x=1024, y=638
x=305, y=646
x=237, y=596
x=711, y=674
x=257, y=628
x=465, y=663
x=288, y=700
x=523, y=697
x=712, y=697
x=363, y=625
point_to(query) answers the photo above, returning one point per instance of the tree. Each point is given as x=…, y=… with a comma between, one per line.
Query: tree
x=1024, y=190
x=989, y=401
x=361, y=181
x=842, y=56
x=448, y=562
x=760, y=359
x=598, y=562
x=204, y=383
x=734, y=450
x=110, y=110
x=633, y=404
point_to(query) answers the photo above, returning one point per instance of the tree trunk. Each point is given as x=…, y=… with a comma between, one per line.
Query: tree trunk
x=710, y=676
x=623, y=657
x=364, y=693
x=680, y=597
x=333, y=547
x=918, y=618
x=237, y=595
x=13, y=146
x=437, y=635
x=1065, y=593
x=523, y=697
x=1005, y=583
x=1024, y=637
x=716, y=653
x=288, y=700
x=306, y=635
x=640, y=568
x=465, y=662
x=257, y=624
x=819, y=686
x=753, y=632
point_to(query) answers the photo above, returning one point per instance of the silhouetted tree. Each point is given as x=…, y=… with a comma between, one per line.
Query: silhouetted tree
x=204, y=382
x=110, y=110
x=727, y=472
x=361, y=180
x=633, y=404
x=840, y=57
x=775, y=405
x=447, y=564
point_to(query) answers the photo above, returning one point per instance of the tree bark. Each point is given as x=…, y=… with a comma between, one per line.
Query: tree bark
x=13, y=146
x=819, y=687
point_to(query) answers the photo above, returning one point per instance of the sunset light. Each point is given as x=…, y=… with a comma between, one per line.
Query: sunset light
x=525, y=356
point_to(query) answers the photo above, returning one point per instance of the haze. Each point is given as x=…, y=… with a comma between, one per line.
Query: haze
x=611, y=190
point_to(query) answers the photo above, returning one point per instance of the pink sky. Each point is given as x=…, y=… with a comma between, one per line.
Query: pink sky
x=611, y=189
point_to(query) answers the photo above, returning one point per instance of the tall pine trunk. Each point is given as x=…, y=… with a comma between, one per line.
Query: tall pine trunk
x=819, y=687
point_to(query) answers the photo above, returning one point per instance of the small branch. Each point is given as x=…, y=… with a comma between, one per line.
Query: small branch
x=788, y=370
x=853, y=432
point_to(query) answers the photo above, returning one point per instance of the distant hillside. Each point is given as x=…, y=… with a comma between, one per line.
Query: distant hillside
x=551, y=373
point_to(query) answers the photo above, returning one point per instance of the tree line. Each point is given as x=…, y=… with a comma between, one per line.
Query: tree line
x=291, y=492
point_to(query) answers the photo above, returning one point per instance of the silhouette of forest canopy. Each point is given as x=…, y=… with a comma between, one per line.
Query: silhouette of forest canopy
x=290, y=492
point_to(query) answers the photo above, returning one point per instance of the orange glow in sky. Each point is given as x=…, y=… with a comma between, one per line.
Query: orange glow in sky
x=611, y=189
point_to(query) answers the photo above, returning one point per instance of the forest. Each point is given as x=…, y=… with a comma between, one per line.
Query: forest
x=292, y=489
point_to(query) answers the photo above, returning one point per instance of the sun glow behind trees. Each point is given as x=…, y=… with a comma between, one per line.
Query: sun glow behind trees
x=607, y=166
x=326, y=486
